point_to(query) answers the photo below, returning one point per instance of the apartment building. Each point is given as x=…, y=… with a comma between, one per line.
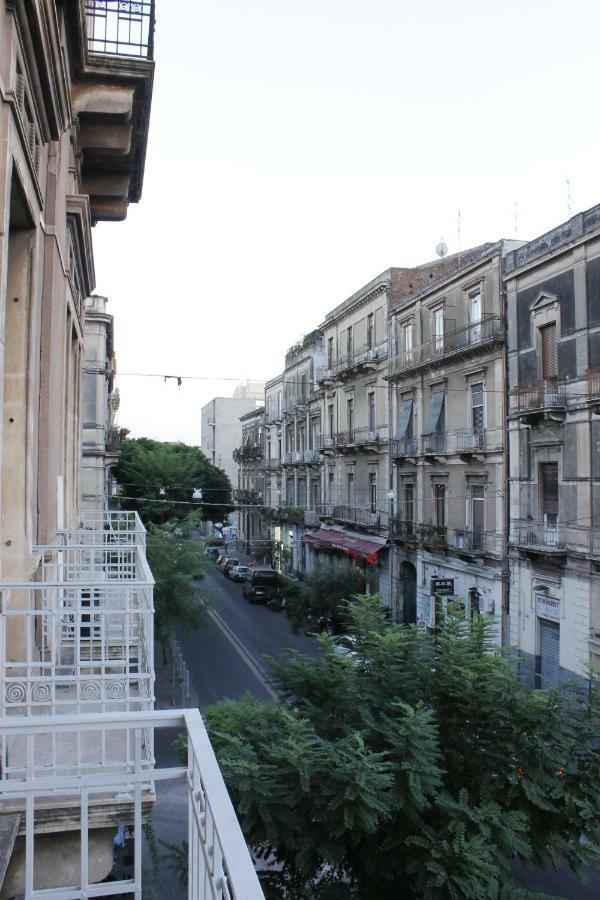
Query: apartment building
x=447, y=405
x=553, y=296
x=76, y=609
x=220, y=426
x=250, y=492
x=101, y=435
x=272, y=519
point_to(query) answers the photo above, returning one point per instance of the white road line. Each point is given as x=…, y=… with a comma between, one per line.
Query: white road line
x=242, y=651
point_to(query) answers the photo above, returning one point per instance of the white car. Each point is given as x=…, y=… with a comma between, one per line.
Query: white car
x=238, y=573
x=345, y=646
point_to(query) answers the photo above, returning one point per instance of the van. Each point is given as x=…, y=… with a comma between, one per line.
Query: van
x=260, y=585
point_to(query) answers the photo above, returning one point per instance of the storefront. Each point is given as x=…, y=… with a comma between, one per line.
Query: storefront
x=366, y=553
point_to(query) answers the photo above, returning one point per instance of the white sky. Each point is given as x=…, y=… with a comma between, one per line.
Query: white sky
x=298, y=149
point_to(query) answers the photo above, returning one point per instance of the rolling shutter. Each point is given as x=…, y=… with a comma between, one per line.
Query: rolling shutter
x=549, y=653
x=549, y=351
x=549, y=479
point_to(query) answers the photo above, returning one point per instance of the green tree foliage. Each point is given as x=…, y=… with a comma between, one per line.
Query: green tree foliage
x=146, y=466
x=323, y=592
x=416, y=768
x=175, y=562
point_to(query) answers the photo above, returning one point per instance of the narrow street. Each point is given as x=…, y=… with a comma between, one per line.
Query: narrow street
x=225, y=658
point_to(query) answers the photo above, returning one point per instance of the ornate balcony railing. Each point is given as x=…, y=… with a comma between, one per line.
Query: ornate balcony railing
x=326, y=442
x=81, y=760
x=403, y=530
x=272, y=463
x=310, y=457
x=543, y=396
x=363, y=357
x=355, y=515
x=120, y=27
x=82, y=636
x=406, y=447
x=466, y=441
x=556, y=538
x=453, y=342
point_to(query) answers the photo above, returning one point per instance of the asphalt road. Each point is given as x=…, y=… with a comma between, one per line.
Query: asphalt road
x=225, y=658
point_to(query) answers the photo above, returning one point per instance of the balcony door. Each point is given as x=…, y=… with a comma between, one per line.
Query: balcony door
x=477, y=515
x=475, y=317
x=351, y=489
x=549, y=351
x=549, y=502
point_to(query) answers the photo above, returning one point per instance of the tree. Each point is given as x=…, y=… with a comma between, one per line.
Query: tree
x=147, y=466
x=416, y=768
x=323, y=592
x=175, y=562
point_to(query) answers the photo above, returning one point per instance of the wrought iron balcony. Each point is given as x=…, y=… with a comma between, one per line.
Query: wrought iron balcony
x=368, y=437
x=327, y=443
x=433, y=535
x=84, y=760
x=272, y=463
x=593, y=385
x=120, y=27
x=539, y=399
x=355, y=515
x=556, y=539
x=359, y=359
x=310, y=457
x=434, y=444
x=406, y=448
x=454, y=342
x=402, y=530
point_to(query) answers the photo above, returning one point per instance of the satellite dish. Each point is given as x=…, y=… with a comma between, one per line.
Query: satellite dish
x=442, y=248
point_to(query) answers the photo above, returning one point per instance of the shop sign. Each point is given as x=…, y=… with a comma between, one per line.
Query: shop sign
x=547, y=607
x=443, y=587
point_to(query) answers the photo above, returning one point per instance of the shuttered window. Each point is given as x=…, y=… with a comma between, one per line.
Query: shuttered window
x=549, y=351
x=549, y=485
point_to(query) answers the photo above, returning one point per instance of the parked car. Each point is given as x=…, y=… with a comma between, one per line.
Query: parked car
x=261, y=585
x=213, y=552
x=238, y=573
x=345, y=646
x=230, y=562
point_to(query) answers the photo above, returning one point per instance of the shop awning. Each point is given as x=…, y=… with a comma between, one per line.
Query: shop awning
x=330, y=539
x=435, y=410
x=405, y=416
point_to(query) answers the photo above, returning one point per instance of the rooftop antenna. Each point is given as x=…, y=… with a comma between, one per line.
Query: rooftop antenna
x=458, y=227
x=442, y=248
x=516, y=219
x=570, y=203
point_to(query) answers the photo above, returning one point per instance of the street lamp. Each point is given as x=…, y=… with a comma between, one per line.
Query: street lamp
x=197, y=495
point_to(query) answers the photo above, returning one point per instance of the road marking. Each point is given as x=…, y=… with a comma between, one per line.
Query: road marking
x=242, y=651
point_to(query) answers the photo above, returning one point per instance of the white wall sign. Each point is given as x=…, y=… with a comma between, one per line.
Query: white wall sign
x=547, y=607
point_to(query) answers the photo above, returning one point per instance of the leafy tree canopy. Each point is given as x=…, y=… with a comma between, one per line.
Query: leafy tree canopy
x=416, y=768
x=145, y=466
x=175, y=562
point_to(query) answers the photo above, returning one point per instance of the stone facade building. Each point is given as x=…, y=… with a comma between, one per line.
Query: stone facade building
x=447, y=406
x=250, y=492
x=221, y=430
x=553, y=295
x=101, y=436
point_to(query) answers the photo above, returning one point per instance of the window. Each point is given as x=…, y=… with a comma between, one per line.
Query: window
x=289, y=439
x=409, y=500
x=475, y=316
x=289, y=492
x=477, y=515
x=549, y=502
x=549, y=351
x=315, y=433
x=331, y=419
x=372, y=411
x=330, y=353
x=302, y=493
x=373, y=492
x=301, y=441
x=303, y=386
x=371, y=331
x=438, y=329
x=314, y=494
x=269, y=448
x=477, y=412
x=350, y=415
x=408, y=340
x=439, y=505
x=351, y=489
x=279, y=449
x=331, y=486
x=349, y=340
x=474, y=602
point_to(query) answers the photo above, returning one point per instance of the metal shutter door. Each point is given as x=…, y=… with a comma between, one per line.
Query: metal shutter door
x=549, y=351
x=549, y=653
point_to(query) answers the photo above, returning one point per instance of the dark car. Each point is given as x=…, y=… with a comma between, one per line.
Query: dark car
x=213, y=552
x=261, y=585
x=230, y=562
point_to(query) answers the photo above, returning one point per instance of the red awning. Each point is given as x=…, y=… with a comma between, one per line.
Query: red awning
x=329, y=539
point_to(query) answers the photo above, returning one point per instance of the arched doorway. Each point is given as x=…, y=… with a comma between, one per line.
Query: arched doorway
x=408, y=576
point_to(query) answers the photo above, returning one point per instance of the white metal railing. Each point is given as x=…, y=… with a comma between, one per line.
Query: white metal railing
x=556, y=537
x=80, y=637
x=219, y=864
x=106, y=527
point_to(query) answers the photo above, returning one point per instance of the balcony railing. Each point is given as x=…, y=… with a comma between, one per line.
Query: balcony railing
x=370, y=436
x=89, y=759
x=593, y=384
x=326, y=442
x=82, y=636
x=453, y=342
x=310, y=457
x=363, y=357
x=447, y=537
x=543, y=396
x=272, y=463
x=105, y=527
x=465, y=442
x=556, y=538
x=355, y=515
x=403, y=530
x=120, y=27
x=248, y=453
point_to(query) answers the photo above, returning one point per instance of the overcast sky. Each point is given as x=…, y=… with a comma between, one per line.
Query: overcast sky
x=297, y=149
